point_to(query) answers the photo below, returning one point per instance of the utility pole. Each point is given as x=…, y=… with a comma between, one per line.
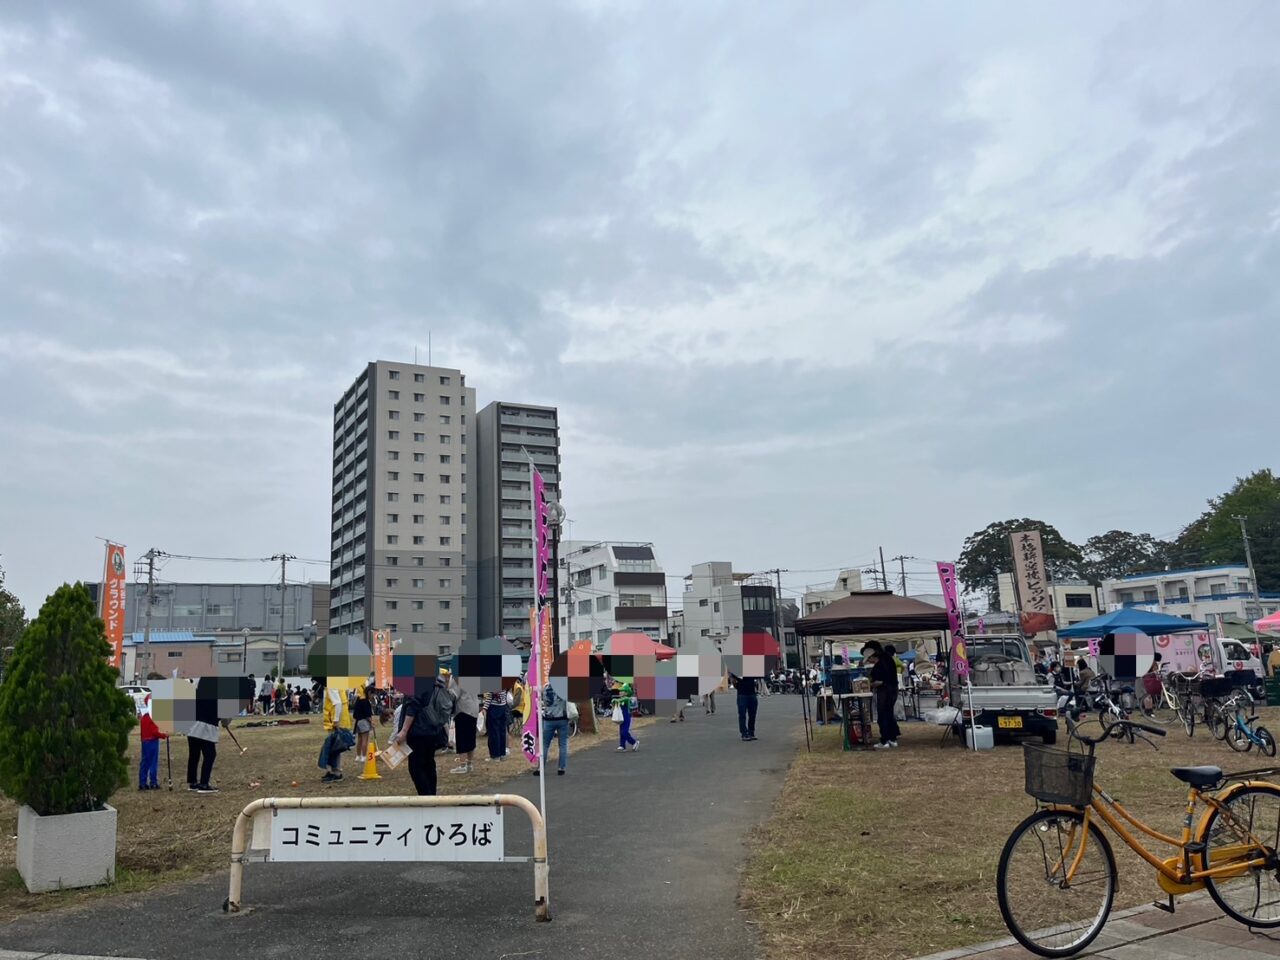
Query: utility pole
x=1248, y=559
x=284, y=559
x=902, y=569
x=884, y=576
x=146, y=670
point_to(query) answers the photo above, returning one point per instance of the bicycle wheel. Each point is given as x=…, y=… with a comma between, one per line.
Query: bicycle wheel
x=1047, y=913
x=1238, y=738
x=1267, y=743
x=1245, y=828
x=1188, y=719
x=1217, y=721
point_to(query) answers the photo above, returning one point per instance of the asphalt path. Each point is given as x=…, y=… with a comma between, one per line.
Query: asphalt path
x=645, y=851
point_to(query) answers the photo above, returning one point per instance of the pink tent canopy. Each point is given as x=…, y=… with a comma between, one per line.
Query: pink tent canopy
x=1269, y=624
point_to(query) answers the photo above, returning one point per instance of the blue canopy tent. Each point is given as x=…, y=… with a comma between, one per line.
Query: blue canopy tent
x=1127, y=621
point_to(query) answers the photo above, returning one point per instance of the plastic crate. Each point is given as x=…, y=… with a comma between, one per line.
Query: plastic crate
x=1059, y=777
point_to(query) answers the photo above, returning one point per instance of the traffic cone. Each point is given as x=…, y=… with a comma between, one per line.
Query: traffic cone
x=371, y=766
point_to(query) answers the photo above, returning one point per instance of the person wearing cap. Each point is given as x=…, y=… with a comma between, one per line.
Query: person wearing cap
x=625, y=700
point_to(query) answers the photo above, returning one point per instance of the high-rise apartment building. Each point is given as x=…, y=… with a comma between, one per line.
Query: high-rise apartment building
x=508, y=436
x=403, y=463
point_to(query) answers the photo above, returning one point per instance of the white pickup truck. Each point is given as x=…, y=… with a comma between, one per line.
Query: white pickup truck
x=1003, y=692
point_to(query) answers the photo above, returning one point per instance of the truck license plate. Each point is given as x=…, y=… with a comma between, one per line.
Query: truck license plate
x=1009, y=723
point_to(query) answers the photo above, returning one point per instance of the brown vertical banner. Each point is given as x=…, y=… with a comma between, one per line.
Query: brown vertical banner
x=112, y=601
x=1032, y=582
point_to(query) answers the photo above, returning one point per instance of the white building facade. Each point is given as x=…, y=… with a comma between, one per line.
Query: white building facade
x=1073, y=600
x=609, y=587
x=1201, y=593
x=719, y=603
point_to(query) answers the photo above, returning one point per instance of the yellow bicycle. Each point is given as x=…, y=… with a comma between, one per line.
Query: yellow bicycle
x=1057, y=876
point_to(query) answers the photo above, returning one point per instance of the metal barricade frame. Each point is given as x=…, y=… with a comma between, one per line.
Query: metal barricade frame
x=240, y=836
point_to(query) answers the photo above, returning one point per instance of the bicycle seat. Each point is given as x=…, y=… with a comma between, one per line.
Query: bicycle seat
x=1198, y=776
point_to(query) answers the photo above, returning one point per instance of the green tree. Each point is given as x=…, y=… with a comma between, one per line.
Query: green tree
x=13, y=620
x=987, y=553
x=1214, y=537
x=1118, y=553
x=64, y=723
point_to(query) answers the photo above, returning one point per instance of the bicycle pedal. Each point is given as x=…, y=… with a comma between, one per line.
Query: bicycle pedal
x=1166, y=907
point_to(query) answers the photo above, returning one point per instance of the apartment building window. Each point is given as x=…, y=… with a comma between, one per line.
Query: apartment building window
x=445, y=438
x=393, y=394
x=463, y=419
x=393, y=627
x=582, y=578
x=419, y=541
x=602, y=604
x=392, y=497
x=446, y=604
x=419, y=561
x=445, y=499
x=445, y=458
x=419, y=478
x=393, y=374
x=392, y=539
x=445, y=649
x=419, y=518
x=418, y=628
x=393, y=434
x=446, y=627
x=715, y=607
x=393, y=454
x=419, y=604
x=393, y=604
x=419, y=378
x=419, y=458
x=704, y=632
x=634, y=600
x=419, y=398
x=393, y=474
x=445, y=583
x=444, y=401
x=1079, y=600
x=446, y=541
x=393, y=581
x=445, y=419
x=444, y=381
x=703, y=603
x=393, y=560
x=444, y=520
x=584, y=606
x=419, y=438
x=419, y=583
x=448, y=562
x=462, y=400
x=444, y=478
x=393, y=518
x=419, y=418
x=601, y=572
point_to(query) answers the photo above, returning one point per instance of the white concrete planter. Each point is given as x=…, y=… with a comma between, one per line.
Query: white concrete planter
x=72, y=850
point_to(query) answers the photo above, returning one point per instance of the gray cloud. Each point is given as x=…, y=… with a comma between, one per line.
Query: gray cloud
x=802, y=280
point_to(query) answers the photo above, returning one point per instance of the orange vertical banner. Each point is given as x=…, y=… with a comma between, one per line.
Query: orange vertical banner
x=545, y=642
x=112, y=601
x=382, y=659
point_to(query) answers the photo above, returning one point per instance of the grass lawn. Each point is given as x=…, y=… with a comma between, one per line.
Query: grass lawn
x=164, y=837
x=892, y=854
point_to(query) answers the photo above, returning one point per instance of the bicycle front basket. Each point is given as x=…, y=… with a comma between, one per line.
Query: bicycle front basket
x=1056, y=776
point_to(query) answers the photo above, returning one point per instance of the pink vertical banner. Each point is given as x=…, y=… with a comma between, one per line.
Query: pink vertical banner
x=1095, y=646
x=533, y=692
x=959, y=655
x=541, y=541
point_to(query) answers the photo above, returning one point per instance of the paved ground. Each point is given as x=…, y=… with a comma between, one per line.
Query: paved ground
x=645, y=848
x=1198, y=929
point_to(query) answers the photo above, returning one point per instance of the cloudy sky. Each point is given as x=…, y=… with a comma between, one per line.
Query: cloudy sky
x=802, y=278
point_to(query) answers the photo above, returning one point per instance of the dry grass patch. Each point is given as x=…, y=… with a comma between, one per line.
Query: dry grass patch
x=164, y=837
x=893, y=854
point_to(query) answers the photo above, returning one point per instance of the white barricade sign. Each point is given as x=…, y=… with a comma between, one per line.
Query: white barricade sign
x=381, y=834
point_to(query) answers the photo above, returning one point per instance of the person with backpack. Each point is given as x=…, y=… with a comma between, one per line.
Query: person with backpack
x=424, y=727
x=555, y=723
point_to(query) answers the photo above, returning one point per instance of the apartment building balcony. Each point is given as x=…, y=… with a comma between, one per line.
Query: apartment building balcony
x=624, y=579
x=517, y=553
x=633, y=614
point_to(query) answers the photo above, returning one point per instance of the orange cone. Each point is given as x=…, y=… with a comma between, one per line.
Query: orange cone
x=371, y=766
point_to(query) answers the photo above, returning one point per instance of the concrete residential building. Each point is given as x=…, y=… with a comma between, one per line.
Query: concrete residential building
x=223, y=607
x=718, y=602
x=508, y=435
x=610, y=587
x=846, y=582
x=1197, y=593
x=401, y=555
x=1073, y=600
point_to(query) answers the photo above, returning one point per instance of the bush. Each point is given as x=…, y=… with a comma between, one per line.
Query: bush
x=64, y=724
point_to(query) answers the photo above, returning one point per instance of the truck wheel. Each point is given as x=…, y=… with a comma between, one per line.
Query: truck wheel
x=1050, y=738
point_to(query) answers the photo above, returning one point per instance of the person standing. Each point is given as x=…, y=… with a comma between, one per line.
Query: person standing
x=555, y=723
x=424, y=726
x=709, y=702
x=623, y=703
x=362, y=714
x=465, y=721
x=884, y=684
x=495, y=722
x=149, y=765
x=337, y=721
x=202, y=751
x=748, y=704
